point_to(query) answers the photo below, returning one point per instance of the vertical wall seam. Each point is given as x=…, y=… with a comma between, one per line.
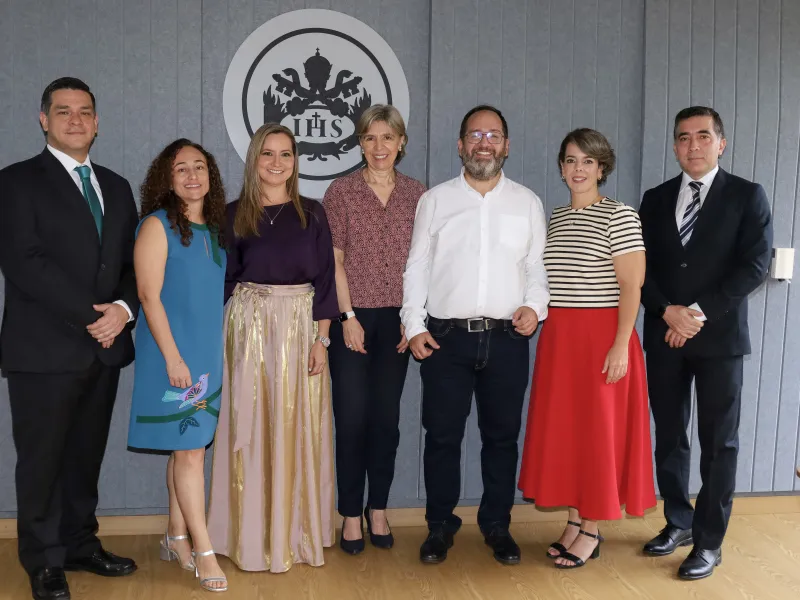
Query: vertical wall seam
x=572, y=74
x=666, y=96
x=525, y=93
x=619, y=87
x=713, y=51
x=547, y=108
x=766, y=287
x=785, y=292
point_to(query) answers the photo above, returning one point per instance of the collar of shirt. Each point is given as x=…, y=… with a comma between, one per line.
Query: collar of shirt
x=68, y=162
x=706, y=180
x=494, y=191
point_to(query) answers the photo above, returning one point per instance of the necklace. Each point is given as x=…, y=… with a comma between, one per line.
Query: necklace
x=272, y=219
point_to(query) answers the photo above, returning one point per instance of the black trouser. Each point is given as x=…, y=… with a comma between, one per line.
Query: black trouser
x=494, y=365
x=719, y=392
x=60, y=424
x=366, y=407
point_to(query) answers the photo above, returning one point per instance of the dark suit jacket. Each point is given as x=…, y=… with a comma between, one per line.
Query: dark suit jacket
x=55, y=268
x=726, y=258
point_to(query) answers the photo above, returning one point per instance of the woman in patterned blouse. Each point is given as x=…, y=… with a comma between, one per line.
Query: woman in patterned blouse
x=371, y=215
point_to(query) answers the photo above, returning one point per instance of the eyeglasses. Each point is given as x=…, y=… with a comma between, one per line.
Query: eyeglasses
x=475, y=137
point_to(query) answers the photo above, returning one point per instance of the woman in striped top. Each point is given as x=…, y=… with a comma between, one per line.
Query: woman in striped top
x=587, y=444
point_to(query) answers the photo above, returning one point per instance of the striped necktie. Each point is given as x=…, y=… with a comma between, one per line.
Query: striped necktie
x=692, y=211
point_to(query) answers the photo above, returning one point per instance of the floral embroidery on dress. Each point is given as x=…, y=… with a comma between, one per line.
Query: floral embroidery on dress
x=195, y=398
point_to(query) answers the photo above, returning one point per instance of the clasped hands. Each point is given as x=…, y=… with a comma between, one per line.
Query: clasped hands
x=110, y=325
x=682, y=325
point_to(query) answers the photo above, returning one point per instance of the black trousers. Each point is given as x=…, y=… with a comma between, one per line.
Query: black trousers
x=366, y=391
x=60, y=424
x=719, y=394
x=494, y=365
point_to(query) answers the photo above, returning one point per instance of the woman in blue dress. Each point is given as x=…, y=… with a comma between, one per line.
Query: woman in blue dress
x=180, y=273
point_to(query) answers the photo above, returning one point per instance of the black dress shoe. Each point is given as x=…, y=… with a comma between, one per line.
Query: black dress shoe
x=353, y=546
x=700, y=563
x=49, y=583
x=102, y=563
x=505, y=548
x=668, y=540
x=379, y=541
x=434, y=548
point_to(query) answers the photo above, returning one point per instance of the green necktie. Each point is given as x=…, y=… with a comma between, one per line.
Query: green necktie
x=91, y=197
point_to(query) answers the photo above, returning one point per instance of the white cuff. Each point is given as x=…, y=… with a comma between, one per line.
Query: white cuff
x=124, y=305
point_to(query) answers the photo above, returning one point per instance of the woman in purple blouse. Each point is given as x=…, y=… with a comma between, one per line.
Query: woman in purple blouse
x=272, y=480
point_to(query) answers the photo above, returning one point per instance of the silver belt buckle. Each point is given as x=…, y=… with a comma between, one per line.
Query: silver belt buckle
x=482, y=327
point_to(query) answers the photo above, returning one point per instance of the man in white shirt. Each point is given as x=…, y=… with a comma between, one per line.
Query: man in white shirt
x=474, y=291
x=67, y=228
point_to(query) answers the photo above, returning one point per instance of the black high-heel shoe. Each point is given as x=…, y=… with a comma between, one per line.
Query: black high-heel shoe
x=379, y=541
x=559, y=546
x=353, y=546
x=579, y=562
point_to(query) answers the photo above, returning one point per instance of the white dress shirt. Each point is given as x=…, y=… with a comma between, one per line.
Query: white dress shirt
x=685, y=198
x=475, y=256
x=70, y=164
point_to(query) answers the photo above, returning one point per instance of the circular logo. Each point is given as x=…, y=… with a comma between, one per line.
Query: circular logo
x=314, y=71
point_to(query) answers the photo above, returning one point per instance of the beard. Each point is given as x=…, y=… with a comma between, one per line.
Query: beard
x=480, y=169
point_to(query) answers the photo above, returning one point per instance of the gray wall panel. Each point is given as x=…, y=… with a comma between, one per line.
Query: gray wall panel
x=785, y=206
x=774, y=295
x=631, y=65
x=622, y=66
x=188, y=68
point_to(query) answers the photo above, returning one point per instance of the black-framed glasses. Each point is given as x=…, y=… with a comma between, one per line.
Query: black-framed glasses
x=494, y=137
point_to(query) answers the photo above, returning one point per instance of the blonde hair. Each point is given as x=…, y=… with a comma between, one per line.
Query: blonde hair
x=388, y=114
x=250, y=211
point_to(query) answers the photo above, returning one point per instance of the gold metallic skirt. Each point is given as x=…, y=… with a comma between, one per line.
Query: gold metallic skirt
x=272, y=483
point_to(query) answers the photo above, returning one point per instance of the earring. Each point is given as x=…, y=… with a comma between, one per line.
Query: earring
x=564, y=179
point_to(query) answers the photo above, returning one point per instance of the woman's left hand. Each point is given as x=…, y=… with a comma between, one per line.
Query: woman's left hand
x=403, y=345
x=317, y=358
x=616, y=365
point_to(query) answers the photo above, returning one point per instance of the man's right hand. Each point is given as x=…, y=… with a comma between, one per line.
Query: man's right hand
x=422, y=345
x=353, y=335
x=681, y=320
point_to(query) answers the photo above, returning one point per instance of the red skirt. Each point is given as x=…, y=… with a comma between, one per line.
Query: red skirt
x=587, y=443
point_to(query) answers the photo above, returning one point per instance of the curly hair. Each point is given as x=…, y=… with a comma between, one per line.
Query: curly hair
x=156, y=193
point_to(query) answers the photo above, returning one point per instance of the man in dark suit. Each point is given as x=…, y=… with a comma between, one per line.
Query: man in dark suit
x=708, y=236
x=67, y=229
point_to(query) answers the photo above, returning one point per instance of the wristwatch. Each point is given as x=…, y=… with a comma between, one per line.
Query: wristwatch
x=347, y=315
x=662, y=309
x=325, y=340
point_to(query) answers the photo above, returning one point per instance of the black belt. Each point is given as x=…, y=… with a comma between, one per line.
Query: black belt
x=477, y=324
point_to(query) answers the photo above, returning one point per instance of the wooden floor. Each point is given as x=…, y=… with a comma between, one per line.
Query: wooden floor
x=761, y=561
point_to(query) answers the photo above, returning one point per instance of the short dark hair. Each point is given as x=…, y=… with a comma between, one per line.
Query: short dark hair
x=64, y=83
x=699, y=111
x=480, y=108
x=595, y=145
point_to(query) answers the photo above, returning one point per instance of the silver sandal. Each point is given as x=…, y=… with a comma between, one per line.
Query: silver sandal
x=207, y=580
x=168, y=553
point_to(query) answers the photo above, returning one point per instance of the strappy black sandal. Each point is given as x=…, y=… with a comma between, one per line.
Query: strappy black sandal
x=559, y=546
x=579, y=562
